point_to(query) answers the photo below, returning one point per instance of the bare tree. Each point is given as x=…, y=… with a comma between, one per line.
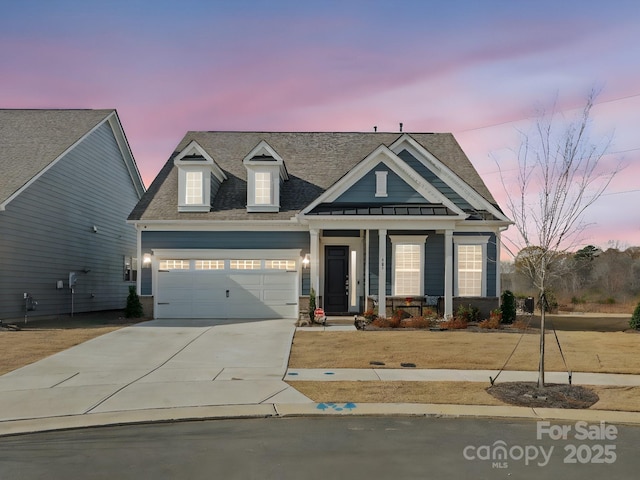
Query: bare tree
x=561, y=173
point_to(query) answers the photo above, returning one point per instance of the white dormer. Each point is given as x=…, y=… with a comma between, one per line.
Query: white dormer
x=199, y=178
x=265, y=173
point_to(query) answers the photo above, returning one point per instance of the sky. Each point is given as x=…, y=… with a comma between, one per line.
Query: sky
x=478, y=69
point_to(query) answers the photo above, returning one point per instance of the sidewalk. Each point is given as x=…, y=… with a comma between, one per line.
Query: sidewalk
x=159, y=372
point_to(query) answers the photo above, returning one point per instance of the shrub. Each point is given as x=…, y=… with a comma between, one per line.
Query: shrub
x=312, y=305
x=381, y=322
x=418, y=322
x=134, y=307
x=508, y=307
x=468, y=314
x=635, y=318
x=456, y=323
x=492, y=323
x=370, y=315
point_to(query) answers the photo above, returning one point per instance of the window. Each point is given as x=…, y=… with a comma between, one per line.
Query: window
x=130, y=269
x=209, y=264
x=469, y=270
x=245, y=264
x=174, y=265
x=470, y=265
x=193, y=188
x=280, y=264
x=407, y=270
x=408, y=264
x=263, y=188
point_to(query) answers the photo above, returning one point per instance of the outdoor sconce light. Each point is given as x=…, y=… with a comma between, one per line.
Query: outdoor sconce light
x=305, y=261
x=146, y=260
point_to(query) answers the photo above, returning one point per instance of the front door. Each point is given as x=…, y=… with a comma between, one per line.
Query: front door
x=336, y=279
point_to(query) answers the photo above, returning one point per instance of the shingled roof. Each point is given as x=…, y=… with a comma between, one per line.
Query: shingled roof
x=314, y=162
x=32, y=139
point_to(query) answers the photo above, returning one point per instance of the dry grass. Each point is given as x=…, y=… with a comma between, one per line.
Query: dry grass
x=610, y=352
x=40, y=338
x=457, y=393
x=397, y=392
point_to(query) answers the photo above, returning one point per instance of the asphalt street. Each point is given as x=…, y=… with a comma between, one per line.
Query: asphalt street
x=320, y=448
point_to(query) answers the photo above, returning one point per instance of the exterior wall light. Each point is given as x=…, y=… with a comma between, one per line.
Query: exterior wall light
x=306, y=261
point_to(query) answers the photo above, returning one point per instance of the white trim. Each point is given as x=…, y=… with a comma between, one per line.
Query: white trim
x=448, y=273
x=194, y=148
x=482, y=241
x=398, y=166
x=118, y=133
x=396, y=240
x=354, y=244
x=226, y=254
x=461, y=187
x=382, y=272
x=381, y=183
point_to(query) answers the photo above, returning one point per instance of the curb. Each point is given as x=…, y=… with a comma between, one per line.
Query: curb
x=222, y=412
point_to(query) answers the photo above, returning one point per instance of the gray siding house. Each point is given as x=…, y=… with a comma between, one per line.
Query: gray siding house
x=67, y=183
x=245, y=224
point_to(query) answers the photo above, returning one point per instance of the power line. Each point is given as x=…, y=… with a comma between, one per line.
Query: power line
x=520, y=119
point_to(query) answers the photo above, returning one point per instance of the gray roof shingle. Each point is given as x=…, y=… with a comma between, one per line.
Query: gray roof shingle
x=314, y=162
x=31, y=139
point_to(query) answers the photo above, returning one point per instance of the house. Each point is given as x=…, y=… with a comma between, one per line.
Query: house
x=67, y=183
x=245, y=224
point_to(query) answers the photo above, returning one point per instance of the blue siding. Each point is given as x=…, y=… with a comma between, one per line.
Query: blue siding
x=242, y=240
x=364, y=190
x=434, y=265
x=215, y=186
x=434, y=180
x=47, y=232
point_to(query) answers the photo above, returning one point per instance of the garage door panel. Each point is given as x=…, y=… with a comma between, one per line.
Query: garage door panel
x=203, y=294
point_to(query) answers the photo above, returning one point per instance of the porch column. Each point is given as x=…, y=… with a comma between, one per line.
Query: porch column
x=382, y=273
x=140, y=262
x=366, y=267
x=314, y=263
x=448, y=273
x=498, y=266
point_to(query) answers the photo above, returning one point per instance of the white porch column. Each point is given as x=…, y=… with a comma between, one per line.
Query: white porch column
x=382, y=273
x=366, y=267
x=498, y=266
x=314, y=260
x=448, y=273
x=140, y=260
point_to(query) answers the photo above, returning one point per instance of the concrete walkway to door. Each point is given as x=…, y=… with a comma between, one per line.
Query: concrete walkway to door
x=162, y=364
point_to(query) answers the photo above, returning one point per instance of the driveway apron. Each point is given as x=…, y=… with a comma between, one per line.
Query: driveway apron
x=157, y=364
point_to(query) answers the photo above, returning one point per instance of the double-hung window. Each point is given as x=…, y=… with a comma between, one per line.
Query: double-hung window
x=471, y=254
x=193, y=190
x=408, y=264
x=263, y=188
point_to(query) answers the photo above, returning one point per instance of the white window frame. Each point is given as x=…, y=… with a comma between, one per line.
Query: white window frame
x=476, y=240
x=420, y=241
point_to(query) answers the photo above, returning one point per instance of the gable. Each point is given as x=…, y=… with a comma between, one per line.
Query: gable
x=434, y=180
x=33, y=141
x=364, y=190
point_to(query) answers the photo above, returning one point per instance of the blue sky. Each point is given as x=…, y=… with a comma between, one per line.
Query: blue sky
x=477, y=69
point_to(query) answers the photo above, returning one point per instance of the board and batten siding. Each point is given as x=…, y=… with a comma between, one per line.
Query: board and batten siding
x=239, y=240
x=47, y=232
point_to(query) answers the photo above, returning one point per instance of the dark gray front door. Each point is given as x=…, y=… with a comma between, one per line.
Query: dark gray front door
x=336, y=279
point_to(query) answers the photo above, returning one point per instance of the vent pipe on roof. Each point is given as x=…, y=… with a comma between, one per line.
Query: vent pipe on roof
x=375, y=128
x=400, y=126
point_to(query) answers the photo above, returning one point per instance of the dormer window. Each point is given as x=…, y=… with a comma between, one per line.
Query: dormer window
x=194, y=188
x=265, y=173
x=199, y=178
x=263, y=188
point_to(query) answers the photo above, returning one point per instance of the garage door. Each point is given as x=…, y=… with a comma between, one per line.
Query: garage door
x=256, y=288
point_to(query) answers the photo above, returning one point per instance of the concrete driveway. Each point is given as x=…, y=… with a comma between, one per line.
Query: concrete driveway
x=160, y=364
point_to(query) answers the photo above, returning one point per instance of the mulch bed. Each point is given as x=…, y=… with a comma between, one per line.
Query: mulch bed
x=527, y=394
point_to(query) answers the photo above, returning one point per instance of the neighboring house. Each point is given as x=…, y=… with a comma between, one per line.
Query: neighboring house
x=67, y=183
x=244, y=224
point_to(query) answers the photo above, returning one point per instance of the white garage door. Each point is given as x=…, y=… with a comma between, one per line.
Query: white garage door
x=255, y=288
